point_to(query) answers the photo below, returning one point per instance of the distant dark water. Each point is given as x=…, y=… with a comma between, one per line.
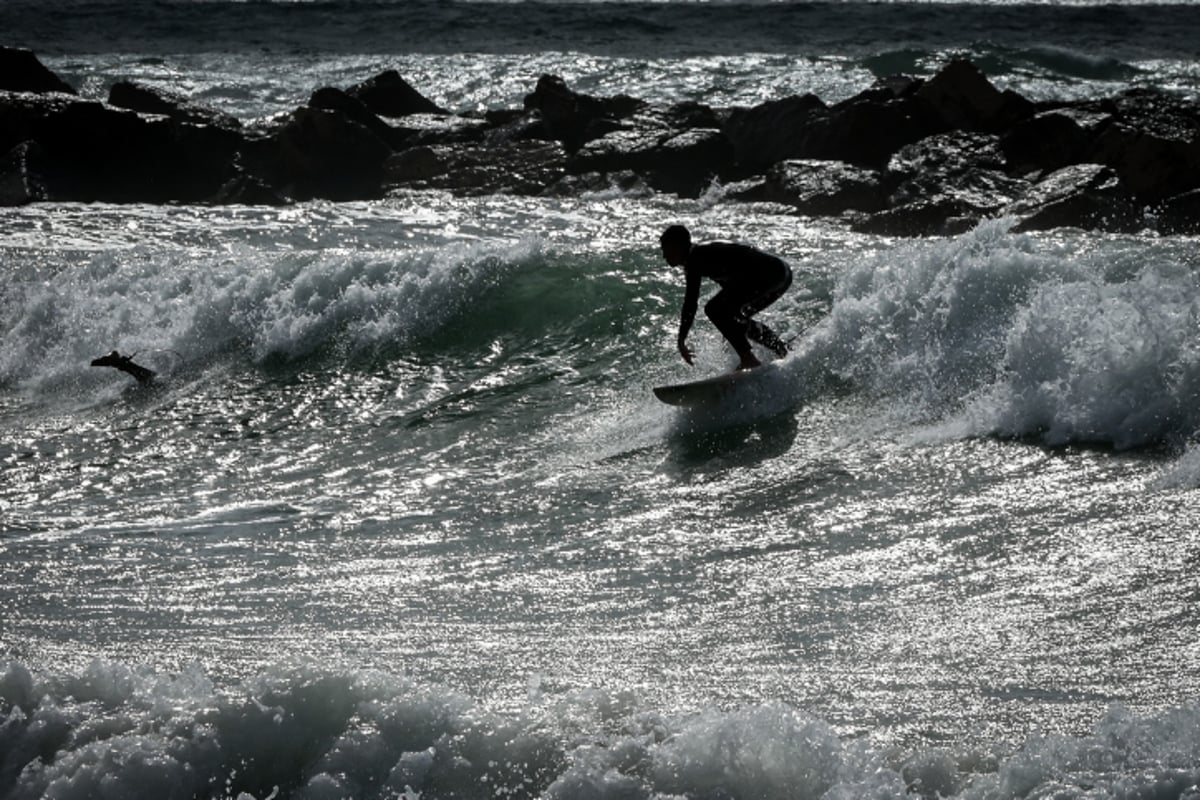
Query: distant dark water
x=671, y=29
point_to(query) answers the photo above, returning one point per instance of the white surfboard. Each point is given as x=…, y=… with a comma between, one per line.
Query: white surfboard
x=706, y=390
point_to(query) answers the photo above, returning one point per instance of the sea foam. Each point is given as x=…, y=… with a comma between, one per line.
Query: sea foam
x=995, y=333
x=309, y=732
x=173, y=307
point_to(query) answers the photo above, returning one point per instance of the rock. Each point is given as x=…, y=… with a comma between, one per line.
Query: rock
x=687, y=163
x=1088, y=196
x=689, y=115
x=947, y=154
x=246, y=190
x=519, y=168
x=95, y=152
x=20, y=71
x=1154, y=111
x=964, y=98
x=683, y=163
x=866, y=131
x=331, y=99
x=939, y=216
x=1152, y=166
x=143, y=99
x=824, y=188
x=574, y=118
x=21, y=178
x=944, y=184
x=520, y=126
x=770, y=132
x=389, y=95
x=317, y=153
x=1179, y=214
x=1050, y=140
x=964, y=170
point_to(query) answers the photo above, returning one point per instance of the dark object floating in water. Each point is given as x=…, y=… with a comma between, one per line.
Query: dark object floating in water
x=115, y=360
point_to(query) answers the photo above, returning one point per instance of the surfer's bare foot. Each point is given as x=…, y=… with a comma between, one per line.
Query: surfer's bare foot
x=749, y=361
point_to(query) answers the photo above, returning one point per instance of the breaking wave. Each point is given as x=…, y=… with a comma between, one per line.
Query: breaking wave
x=307, y=732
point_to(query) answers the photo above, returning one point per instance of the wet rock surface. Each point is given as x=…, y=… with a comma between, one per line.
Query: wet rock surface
x=906, y=157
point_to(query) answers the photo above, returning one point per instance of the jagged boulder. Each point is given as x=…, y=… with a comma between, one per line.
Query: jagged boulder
x=944, y=184
x=679, y=162
x=937, y=216
x=143, y=99
x=519, y=168
x=1151, y=165
x=966, y=100
x=771, y=132
x=964, y=170
x=21, y=71
x=1051, y=140
x=331, y=99
x=92, y=151
x=867, y=131
x=824, y=188
x=1088, y=196
x=389, y=95
x=315, y=153
x=574, y=118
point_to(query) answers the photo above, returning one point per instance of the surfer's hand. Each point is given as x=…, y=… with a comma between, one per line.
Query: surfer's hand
x=686, y=353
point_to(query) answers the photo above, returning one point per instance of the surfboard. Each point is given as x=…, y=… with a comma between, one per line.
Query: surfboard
x=706, y=390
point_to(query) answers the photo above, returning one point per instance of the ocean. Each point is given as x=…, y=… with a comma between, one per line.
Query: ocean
x=401, y=516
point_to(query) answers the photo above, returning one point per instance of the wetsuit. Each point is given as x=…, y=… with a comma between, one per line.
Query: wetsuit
x=750, y=281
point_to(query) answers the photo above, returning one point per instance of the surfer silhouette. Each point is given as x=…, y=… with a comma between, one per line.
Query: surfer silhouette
x=750, y=280
x=144, y=375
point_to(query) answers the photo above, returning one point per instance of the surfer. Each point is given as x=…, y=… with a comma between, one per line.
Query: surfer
x=144, y=375
x=750, y=281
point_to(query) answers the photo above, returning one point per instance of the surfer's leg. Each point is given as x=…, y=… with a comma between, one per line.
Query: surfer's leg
x=756, y=330
x=724, y=310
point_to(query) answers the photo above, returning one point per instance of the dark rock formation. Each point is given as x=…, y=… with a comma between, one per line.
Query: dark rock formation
x=91, y=151
x=339, y=102
x=315, y=153
x=519, y=168
x=1050, y=140
x=679, y=162
x=771, y=132
x=866, y=130
x=964, y=99
x=143, y=99
x=907, y=156
x=1088, y=196
x=389, y=95
x=20, y=71
x=824, y=188
x=574, y=118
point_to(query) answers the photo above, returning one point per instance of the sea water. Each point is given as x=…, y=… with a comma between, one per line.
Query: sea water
x=402, y=518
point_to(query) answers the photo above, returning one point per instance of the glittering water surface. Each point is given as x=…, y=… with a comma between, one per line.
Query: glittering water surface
x=401, y=515
x=414, y=436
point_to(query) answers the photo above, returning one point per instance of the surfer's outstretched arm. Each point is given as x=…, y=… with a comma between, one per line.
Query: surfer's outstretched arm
x=691, y=299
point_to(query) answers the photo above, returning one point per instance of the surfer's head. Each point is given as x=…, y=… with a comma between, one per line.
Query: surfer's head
x=676, y=243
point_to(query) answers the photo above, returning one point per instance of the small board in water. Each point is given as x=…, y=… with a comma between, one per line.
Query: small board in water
x=706, y=390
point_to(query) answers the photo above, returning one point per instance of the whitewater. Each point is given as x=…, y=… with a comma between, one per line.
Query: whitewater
x=401, y=516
